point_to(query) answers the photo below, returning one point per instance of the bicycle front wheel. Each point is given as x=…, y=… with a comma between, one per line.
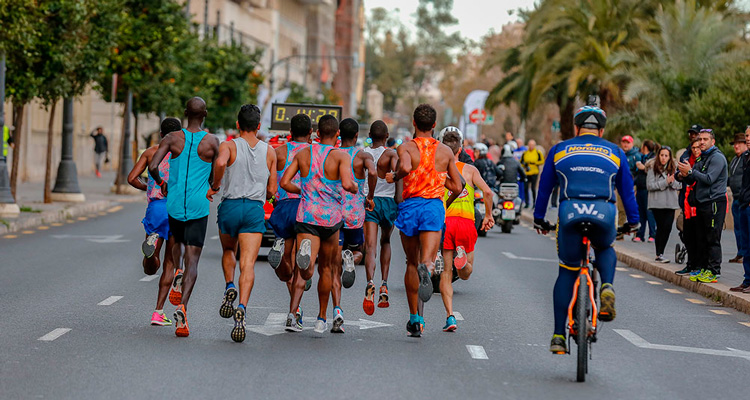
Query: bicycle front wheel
x=582, y=307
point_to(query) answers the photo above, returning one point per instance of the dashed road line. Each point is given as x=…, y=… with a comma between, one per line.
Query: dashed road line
x=27, y=232
x=621, y=269
x=10, y=236
x=56, y=333
x=653, y=283
x=696, y=301
x=458, y=316
x=115, y=209
x=747, y=324
x=476, y=352
x=149, y=278
x=42, y=228
x=82, y=218
x=109, y=300
x=719, y=312
x=56, y=224
x=636, y=276
x=673, y=291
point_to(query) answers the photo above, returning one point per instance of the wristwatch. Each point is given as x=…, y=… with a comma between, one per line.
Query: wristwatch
x=215, y=189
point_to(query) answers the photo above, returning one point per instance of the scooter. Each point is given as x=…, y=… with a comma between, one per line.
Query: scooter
x=508, y=210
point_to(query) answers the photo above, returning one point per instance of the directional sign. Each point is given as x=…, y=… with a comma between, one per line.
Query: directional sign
x=478, y=115
x=642, y=343
x=274, y=324
x=94, y=238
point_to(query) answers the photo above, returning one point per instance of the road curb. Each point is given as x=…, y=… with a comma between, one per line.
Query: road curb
x=73, y=210
x=718, y=292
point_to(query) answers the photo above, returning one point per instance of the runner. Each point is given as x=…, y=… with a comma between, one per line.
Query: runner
x=284, y=217
x=246, y=164
x=187, y=204
x=351, y=237
x=423, y=165
x=156, y=223
x=460, y=231
x=323, y=171
x=382, y=216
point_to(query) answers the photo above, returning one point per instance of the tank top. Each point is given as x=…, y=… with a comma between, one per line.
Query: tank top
x=463, y=206
x=153, y=191
x=382, y=188
x=424, y=181
x=247, y=177
x=292, y=148
x=354, y=204
x=188, y=181
x=322, y=202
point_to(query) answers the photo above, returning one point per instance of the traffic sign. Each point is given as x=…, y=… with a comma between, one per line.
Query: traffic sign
x=477, y=116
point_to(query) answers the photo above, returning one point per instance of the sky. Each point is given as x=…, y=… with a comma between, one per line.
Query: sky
x=475, y=17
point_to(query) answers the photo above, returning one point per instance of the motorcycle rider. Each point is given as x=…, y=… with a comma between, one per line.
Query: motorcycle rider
x=490, y=172
x=513, y=171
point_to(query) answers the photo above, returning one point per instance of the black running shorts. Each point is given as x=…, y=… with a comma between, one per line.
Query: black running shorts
x=191, y=232
x=322, y=232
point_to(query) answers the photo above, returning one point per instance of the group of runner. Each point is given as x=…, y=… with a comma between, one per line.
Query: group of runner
x=329, y=204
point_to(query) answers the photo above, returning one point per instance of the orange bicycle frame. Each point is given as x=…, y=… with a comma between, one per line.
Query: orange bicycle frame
x=590, y=286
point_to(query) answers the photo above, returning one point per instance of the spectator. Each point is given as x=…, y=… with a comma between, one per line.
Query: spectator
x=688, y=155
x=101, y=150
x=531, y=160
x=710, y=177
x=633, y=156
x=518, y=154
x=510, y=140
x=641, y=193
x=513, y=171
x=744, y=199
x=735, y=184
x=663, y=191
x=494, y=153
x=491, y=173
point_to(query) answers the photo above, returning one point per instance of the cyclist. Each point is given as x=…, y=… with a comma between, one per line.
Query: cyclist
x=587, y=168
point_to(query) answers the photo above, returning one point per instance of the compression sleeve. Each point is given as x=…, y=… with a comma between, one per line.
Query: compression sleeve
x=624, y=183
x=547, y=182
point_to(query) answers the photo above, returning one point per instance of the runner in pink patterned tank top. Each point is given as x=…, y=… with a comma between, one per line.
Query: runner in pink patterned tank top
x=324, y=170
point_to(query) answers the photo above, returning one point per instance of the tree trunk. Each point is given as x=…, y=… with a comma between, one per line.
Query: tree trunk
x=566, y=118
x=135, y=136
x=18, y=111
x=48, y=170
x=119, y=148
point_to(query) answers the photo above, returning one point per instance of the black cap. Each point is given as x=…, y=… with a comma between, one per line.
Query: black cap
x=695, y=128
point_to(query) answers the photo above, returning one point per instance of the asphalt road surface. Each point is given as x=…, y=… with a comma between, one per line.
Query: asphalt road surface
x=63, y=335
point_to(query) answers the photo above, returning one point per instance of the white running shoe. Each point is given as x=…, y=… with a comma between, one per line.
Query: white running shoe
x=148, y=248
x=304, y=253
x=338, y=321
x=439, y=264
x=276, y=253
x=347, y=278
x=320, y=326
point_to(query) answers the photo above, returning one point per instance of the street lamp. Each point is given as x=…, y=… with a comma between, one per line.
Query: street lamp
x=66, y=183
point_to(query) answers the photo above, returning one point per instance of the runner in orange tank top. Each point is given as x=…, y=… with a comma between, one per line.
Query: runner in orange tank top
x=423, y=165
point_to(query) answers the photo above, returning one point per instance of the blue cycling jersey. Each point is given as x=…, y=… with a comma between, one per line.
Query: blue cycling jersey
x=587, y=167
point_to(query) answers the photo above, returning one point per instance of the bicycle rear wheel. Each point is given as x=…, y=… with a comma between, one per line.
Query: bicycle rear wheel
x=582, y=306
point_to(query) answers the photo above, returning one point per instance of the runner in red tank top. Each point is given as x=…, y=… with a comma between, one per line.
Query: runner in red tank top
x=423, y=165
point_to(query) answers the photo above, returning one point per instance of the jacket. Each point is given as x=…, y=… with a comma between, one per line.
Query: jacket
x=709, y=175
x=744, y=196
x=639, y=178
x=685, y=156
x=490, y=172
x=513, y=170
x=736, y=169
x=660, y=193
x=633, y=156
x=531, y=160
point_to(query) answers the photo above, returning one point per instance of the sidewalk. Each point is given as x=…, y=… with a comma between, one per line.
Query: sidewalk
x=34, y=212
x=641, y=256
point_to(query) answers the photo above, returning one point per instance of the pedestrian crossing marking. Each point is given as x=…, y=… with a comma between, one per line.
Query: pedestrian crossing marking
x=747, y=324
x=115, y=209
x=719, y=312
x=109, y=300
x=673, y=291
x=636, y=276
x=476, y=352
x=696, y=301
x=27, y=232
x=653, y=283
x=10, y=236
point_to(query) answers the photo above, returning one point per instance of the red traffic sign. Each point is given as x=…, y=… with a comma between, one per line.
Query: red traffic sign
x=477, y=116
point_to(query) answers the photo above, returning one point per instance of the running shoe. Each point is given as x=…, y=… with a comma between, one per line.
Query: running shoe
x=607, y=310
x=175, y=293
x=637, y=239
x=276, y=253
x=227, y=306
x=694, y=275
x=160, y=319
x=298, y=316
x=304, y=253
x=338, y=321
x=460, y=259
x=292, y=325
x=684, y=271
x=439, y=264
x=708, y=277
x=425, y=283
x=450, y=324
x=308, y=284
x=558, y=345
x=238, y=332
x=180, y=319
x=368, y=304
x=651, y=240
x=320, y=326
x=149, y=245
x=414, y=329
x=662, y=260
x=383, y=300
x=347, y=279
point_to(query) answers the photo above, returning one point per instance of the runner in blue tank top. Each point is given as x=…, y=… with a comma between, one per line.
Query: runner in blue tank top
x=193, y=151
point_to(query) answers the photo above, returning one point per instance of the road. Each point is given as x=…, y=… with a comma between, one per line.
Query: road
x=56, y=278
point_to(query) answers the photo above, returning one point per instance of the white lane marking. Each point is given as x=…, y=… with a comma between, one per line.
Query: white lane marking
x=477, y=352
x=696, y=301
x=653, y=283
x=458, y=316
x=515, y=257
x=719, y=312
x=636, y=276
x=109, y=300
x=673, y=291
x=214, y=237
x=747, y=324
x=94, y=238
x=642, y=343
x=56, y=333
x=149, y=278
x=366, y=324
x=621, y=269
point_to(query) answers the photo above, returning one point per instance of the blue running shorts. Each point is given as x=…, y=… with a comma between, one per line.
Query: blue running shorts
x=351, y=237
x=237, y=216
x=284, y=217
x=418, y=214
x=157, y=219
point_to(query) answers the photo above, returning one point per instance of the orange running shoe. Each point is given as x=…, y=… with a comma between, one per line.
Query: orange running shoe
x=368, y=304
x=383, y=301
x=180, y=322
x=175, y=292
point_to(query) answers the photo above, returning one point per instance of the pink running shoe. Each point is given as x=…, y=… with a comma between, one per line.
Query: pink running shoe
x=460, y=260
x=160, y=319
